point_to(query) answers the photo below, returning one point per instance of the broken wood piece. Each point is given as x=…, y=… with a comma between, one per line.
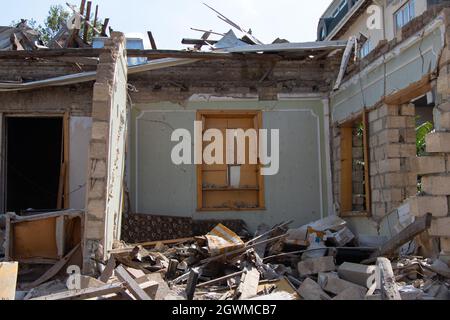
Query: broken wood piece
x=54, y=270
x=131, y=284
x=409, y=233
x=152, y=40
x=8, y=280
x=248, y=287
x=109, y=270
x=389, y=289
x=172, y=269
x=83, y=294
x=192, y=284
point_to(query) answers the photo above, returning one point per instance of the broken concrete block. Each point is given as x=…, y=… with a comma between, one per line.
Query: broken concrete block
x=352, y=294
x=342, y=237
x=310, y=290
x=330, y=282
x=421, y=205
x=315, y=266
x=357, y=273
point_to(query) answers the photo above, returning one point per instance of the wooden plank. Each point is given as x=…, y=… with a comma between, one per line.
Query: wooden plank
x=412, y=91
x=8, y=280
x=108, y=271
x=83, y=294
x=366, y=147
x=152, y=40
x=95, y=21
x=346, y=169
x=249, y=284
x=408, y=234
x=131, y=284
x=86, y=23
x=53, y=271
x=104, y=27
x=82, y=6
x=389, y=289
x=192, y=284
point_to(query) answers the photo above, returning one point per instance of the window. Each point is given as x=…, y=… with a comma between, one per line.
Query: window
x=341, y=7
x=404, y=15
x=365, y=49
x=354, y=182
x=225, y=187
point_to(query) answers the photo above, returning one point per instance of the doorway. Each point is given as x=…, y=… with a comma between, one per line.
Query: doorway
x=34, y=153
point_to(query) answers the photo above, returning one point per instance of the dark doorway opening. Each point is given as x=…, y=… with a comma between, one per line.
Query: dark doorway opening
x=34, y=153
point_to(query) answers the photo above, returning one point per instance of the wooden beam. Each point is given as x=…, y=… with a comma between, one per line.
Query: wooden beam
x=86, y=22
x=104, y=27
x=152, y=40
x=346, y=189
x=82, y=6
x=131, y=284
x=412, y=91
x=389, y=289
x=95, y=21
x=83, y=294
x=108, y=271
x=409, y=233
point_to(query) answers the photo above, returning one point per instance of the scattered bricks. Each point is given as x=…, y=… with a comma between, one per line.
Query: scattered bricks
x=395, y=122
x=428, y=165
x=356, y=273
x=421, y=205
x=315, y=266
x=310, y=290
x=408, y=110
x=436, y=185
x=438, y=142
x=445, y=244
x=352, y=294
x=330, y=282
x=440, y=227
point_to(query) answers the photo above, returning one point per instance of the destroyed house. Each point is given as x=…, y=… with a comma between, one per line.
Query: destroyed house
x=87, y=136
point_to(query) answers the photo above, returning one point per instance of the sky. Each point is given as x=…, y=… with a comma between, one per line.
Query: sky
x=171, y=20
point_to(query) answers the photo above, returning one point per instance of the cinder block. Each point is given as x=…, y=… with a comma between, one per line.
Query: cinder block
x=315, y=266
x=440, y=227
x=310, y=290
x=394, y=179
x=389, y=165
x=436, y=185
x=100, y=130
x=96, y=208
x=444, y=120
x=408, y=110
x=95, y=230
x=356, y=273
x=428, y=165
x=352, y=294
x=438, y=142
x=332, y=283
x=388, y=110
x=421, y=205
x=98, y=170
x=98, y=150
x=393, y=122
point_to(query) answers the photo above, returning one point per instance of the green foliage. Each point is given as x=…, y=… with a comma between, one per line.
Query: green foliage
x=421, y=133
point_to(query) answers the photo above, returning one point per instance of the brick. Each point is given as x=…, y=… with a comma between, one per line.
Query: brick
x=388, y=110
x=331, y=283
x=392, y=195
x=96, y=208
x=428, y=165
x=100, y=130
x=408, y=150
x=351, y=294
x=408, y=110
x=438, y=142
x=394, y=122
x=444, y=121
x=389, y=165
x=99, y=169
x=445, y=244
x=101, y=111
x=373, y=115
x=389, y=136
x=95, y=230
x=394, y=180
x=393, y=150
x=315, y=266
x=436, y=185
x=376, y=126
x=98, y=150
x=310, y=290
x=97, y=189
x=102, y=92
x=356, y=273
x=440, y=227
x=421, y=205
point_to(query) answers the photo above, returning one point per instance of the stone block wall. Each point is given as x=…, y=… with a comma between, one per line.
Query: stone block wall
x=392, y=140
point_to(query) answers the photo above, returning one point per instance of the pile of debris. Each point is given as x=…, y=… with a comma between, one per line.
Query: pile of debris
x=319, y=261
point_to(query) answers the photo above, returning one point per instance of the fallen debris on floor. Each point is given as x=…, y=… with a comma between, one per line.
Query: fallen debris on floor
x=277, y=264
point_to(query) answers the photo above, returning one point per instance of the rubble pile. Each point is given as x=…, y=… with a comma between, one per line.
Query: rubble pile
x=319, y=261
